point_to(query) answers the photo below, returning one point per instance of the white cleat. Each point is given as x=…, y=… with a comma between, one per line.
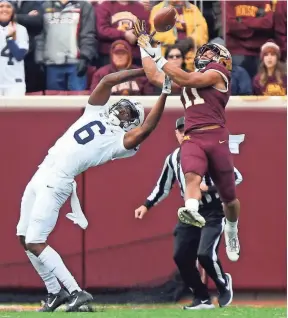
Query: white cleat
x=232, y=245
x=199, y=304
x=191, y=217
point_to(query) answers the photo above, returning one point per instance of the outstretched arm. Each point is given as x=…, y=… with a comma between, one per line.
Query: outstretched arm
x=102, y=91
x=177, y=75
x=136, y=136
x=154, y=76
x=194, y=79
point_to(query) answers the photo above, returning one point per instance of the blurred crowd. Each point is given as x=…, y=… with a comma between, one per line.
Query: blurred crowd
x=73, y=44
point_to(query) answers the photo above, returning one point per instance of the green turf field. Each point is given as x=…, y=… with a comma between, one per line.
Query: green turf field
x=158, y=312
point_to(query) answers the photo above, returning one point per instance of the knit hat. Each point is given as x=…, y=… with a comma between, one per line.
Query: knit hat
x=270, y=46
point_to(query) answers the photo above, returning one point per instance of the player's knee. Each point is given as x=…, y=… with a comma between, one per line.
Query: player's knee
x=34, y=248
x=232, y=203
x=193, y=179
x=22, y=241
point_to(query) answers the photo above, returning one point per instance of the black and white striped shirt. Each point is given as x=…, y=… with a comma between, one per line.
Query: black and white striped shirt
x=171, y=172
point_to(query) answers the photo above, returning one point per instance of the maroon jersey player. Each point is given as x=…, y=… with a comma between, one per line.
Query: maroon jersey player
x=205, y=94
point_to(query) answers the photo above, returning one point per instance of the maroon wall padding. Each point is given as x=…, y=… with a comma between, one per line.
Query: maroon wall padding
x=120, y=251
x=25, y=139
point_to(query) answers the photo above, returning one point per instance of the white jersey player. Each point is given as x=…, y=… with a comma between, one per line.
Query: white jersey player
x=103, y=133
x=14, y=44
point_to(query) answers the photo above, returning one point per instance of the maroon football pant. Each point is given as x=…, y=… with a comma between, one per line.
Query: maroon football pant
x=208, y=150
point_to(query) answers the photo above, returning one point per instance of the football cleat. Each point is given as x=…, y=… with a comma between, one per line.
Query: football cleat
x=53, y=301
x=78, y=299
x=198, y=304
x=226, y=296
x=191, y=217
x=232, y=245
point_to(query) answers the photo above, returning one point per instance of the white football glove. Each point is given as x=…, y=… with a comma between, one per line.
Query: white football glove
x=146, y=48
x=167, y=84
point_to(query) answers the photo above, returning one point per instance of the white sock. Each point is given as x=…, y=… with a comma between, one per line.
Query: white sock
x=231, y=226
x=53, y=261
x=192, y=204
x=48, y=278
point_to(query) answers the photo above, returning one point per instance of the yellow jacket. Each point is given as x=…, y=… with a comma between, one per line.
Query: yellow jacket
x=196, y=26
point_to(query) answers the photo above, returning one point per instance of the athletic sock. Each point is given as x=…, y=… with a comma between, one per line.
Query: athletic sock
x=231, y=226
x=53, y=261
x=48, y=278
x=192, y=204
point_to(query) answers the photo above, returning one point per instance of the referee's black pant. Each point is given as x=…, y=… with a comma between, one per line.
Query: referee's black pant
x=192, y=243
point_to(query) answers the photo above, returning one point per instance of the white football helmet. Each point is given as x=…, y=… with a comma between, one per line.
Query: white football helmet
x=127, y=114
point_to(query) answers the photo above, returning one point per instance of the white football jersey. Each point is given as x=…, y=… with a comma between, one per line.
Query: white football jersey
x=91, y=141
x=12, y=72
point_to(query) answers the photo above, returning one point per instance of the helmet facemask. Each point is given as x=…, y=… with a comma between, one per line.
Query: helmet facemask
x=124, y=114
x=220, y=55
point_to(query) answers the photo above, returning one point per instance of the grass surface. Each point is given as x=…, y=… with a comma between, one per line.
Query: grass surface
x=159, y=312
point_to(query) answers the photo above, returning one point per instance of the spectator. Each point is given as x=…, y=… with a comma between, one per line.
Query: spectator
x=271, y=79
x=14, y=45
x=191, y=24
x=67, y=44
x=187, y=46
x=175, y=55
x=249, y=25
x=115, y=21
x=280, y=27
x=121, y=59
x=241, y=84
x=30, y=15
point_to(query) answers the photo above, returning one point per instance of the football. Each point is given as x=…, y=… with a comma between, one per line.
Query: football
x=165, y=19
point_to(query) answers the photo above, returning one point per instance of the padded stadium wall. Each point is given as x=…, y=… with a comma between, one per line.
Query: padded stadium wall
x=117, y=251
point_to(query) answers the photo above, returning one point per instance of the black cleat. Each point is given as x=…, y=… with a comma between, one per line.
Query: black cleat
x=198, y=304
x=53, y=301
x=226, y=296
x=78, y=299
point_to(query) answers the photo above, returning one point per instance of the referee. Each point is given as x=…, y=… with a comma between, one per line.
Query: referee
x=192, y=243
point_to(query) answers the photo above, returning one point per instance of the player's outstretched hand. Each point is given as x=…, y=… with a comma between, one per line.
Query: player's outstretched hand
x=140, y=29
x=147, y=50
x=140, y=212
x=167, y=84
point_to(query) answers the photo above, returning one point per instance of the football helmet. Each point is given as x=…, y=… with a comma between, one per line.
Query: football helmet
x=126, y=113
x=221, y=55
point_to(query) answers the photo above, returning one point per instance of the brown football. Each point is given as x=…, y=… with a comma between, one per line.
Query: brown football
x=165, y=19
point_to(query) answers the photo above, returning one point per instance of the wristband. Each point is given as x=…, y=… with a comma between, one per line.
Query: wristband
x=143, y=53
x=161, y=62
x=148, y=204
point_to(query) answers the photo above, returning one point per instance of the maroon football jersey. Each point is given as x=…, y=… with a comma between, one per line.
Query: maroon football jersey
x=206, y=106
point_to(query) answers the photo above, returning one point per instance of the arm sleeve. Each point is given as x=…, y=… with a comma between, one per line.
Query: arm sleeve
x=20, y=46
x=261, y=23
x=87, y=36
x=35, y=22
x=104, y=28
x=163, y=186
